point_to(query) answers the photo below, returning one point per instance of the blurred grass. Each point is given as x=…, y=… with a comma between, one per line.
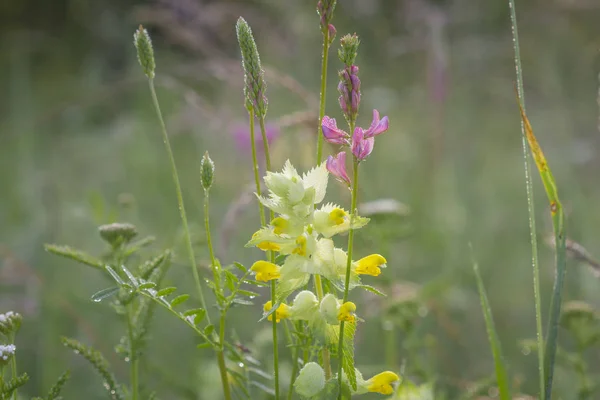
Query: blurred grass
x=76, y=123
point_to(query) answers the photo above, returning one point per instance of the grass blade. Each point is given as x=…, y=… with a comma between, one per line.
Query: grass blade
x=558, y=223
x=499, y=365
x=530, y=203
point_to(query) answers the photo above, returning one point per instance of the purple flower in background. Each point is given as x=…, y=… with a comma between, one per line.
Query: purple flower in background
x=336, y=165
x=241, y=134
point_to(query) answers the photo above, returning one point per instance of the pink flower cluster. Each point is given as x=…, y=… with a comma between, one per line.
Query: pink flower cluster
x=361, y=142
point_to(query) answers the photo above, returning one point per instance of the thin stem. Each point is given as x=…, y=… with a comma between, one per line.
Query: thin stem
x=263, y=132
x=325, y=351
x=348, y=266
x=324, y=60
x=217, y=280
x=186, y=230
x=221, y=358
x=530, y=204
x=133, y=360
x=294, y=370
x=261, y=209
x=13, y=365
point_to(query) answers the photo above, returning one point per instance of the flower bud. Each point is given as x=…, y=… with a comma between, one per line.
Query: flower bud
x=145, y=53
x=329, y=309
x=349, y=50
x=310, y=381
x=117, y=233
x=207, y=171
x=10, y=322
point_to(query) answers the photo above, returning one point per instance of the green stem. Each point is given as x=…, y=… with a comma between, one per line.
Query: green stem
x=325, y=351
x=530, y=205
x=294, y=370
x=324, y=60
x=221, y=359
x=180, y=204
x=217, y=280
x=263, y=132
x=348, y=266
x=261, y=209
x=13, y=365
x=133, y=360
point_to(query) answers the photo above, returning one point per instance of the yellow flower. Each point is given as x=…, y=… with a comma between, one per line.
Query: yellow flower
x=282, y=312
x=381, y=383
x=337, y=216
x=266, y=246
x=370, y=265
x=265, y=271
x=280, y=225
x=300, y=246
x=346, y=312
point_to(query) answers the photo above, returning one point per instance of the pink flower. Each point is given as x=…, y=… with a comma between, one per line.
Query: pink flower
x=241, y=134
x=336, y=165
x=332, y=133
x=361, y=146
x=378, y=126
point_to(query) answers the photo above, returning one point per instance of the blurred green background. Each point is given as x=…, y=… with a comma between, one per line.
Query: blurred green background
x=80, y=146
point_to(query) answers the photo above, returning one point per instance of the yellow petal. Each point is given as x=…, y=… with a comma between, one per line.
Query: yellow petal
x=266, y=246
x=300, y=246
x=282, y=312
x=346, y=312
x=381, y=383
x=369, y=265
x=280, y=225
x=337, y=216
x=266, y=271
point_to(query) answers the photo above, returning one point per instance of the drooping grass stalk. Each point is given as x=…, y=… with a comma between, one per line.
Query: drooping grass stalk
x=530, y=203
x=348, y=265
x=133, y=359
x=263, y=132
x=322, y=97
x=558, y=222
x=217, y=280
x=502, y=379
x=181, y=206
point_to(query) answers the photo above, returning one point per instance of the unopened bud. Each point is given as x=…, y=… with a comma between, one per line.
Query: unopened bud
x=332, y=33
x=207, y=171
x=145, y=53
x=325, y=10
x=117, y=233
x=254, y=81
x=349, y=49
x=10, y=322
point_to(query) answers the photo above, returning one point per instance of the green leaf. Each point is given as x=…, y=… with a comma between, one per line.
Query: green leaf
x=348, y=350
x=148, y=285
x=230, y=280
x=13, y=385
x=74, y=254
x=240, y=267
x=114, y=275
x=199, y=317
x=371, y=289
x=255, y=283
x=179, y=300
x=166, y=291
x=209, y=329
x=55, y=390
x=130, y=276
x=105, y=293
x=247, y=293
x=237, y=300
x=501, y=374
x=193, y=311
x=204, y=345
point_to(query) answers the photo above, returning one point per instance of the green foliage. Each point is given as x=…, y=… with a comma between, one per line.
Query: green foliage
x=97, y=360
x=12, y=385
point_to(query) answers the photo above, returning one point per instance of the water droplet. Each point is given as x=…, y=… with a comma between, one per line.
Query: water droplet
x=127, y=359
x=526, y=350
x=96, y=300
x=241, y=365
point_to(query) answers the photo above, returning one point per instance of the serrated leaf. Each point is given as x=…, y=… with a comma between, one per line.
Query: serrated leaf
x=179, y=300
x=348, y=353
x=209, y=329
x=105, y=293
x=166, y=291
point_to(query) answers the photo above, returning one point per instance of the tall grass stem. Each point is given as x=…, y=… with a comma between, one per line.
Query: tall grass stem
x=322, y=96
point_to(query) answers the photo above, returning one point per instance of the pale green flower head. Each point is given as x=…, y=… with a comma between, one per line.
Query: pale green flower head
x=305, y=305
x=410, y=391
x=310, y=381
x=331, y=219
x=329, y=309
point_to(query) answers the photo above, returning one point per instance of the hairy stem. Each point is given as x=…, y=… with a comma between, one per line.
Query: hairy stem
x=348, y=266
x=186, y=230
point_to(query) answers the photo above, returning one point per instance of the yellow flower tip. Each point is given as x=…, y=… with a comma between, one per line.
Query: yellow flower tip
x=337, y=216
x=266, y=246
x=382, y=383
x=370, y=265
x=280, y=225
x=346, y=312
x=282, y=312
x=265, y=271
x=300, y=246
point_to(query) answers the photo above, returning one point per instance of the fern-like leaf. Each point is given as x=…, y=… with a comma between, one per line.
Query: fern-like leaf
x=13, y=385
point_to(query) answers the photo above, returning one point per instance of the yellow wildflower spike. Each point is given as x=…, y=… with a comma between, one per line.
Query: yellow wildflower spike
x=266, y=246
x=282, y=312
x=266, y=271
x=337, y=216
x=300, y=246
x=369, y=265
x=346, y=312
x=381, y=383
x=280, y=225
